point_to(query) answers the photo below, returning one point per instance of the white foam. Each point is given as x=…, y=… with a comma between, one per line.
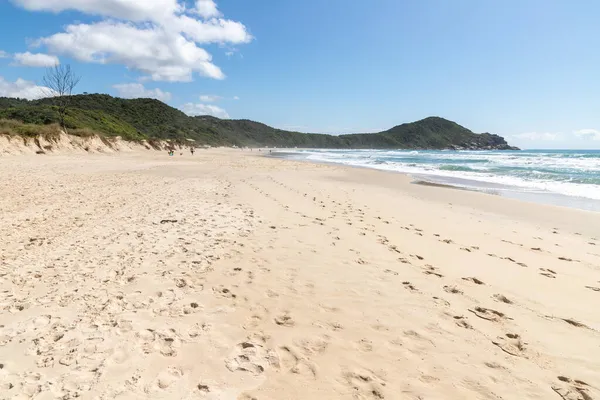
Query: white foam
x=431, y=161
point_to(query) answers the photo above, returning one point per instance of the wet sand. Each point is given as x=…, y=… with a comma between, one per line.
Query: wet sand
x=231, y=276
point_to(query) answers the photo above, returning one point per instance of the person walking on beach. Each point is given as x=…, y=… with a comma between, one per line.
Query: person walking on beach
x=192, y=150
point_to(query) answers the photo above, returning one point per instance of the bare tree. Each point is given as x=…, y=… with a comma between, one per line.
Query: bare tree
x=60, y=82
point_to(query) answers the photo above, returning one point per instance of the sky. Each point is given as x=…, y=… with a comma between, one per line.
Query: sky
x=527, y=70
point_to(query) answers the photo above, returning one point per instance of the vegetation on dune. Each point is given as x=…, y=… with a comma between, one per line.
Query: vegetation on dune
x=17, y=128
x=75, y=119
x=13, y=127
x=151, y=119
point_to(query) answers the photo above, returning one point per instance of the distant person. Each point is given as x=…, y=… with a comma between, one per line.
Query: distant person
x=192, y=150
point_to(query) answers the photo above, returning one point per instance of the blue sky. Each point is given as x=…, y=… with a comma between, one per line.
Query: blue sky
x=527, y=69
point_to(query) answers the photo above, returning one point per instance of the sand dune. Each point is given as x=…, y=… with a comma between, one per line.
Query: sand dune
x=232, y=276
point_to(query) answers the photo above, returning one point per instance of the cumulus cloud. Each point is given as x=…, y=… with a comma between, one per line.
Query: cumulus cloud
x=545, y=136
x=215, y=30
x=138, y=91
x=590, y=134
x=210, y=98
x=35, y=60
x=22, y=89
x=153, y=51
x=236, y=98
x=194, y=109
x=133, y=10
x=207, y=9
x=4, y=54
x=159, y=38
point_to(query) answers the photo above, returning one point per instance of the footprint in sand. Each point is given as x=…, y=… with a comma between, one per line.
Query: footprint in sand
x=567, y=259
x=474, y=280
x=365, y=345
x=548, y=273
x=512, y=344
x=222, y=291
x=488, y=314
x=290, y=361
x=503, y=299
x=409, y=286
x=168, y=377
x=251, y=357
x=440, y=301
x=365, y=384
x=383, y=239
x=198, y=330
x=313, y=346
x=595, y=289
x=284, y=320
x=394, y=248
x=246, y=396
x=574, y=389
x=431, y=270
x=150, y=341
x=575, y=323
x=452, y=289
x=462, y=322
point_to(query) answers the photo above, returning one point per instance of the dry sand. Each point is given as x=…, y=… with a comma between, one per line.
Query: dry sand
x=231, y=276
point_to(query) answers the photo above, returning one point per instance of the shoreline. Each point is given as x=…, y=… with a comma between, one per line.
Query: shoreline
x=502, y=190
x=518, y=208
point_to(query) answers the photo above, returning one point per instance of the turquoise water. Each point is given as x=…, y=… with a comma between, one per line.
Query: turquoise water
x=572, y=176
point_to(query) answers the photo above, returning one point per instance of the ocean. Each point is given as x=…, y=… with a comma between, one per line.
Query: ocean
x=561, y=177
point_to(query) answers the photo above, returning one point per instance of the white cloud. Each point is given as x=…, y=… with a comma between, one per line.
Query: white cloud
x=592, y=134
x=236, y=98
x=155, y=37
x=207, y=9
x=4, y=54
x=138, y=91
x=209, y=98
x=542, y=136
x=22, y=89
x=204, y=109
x=216, y=30
x=35, y=60
x=152, y=50
x=134, y=10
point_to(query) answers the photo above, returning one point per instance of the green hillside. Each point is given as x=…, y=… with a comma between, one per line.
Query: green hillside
x=148, y=118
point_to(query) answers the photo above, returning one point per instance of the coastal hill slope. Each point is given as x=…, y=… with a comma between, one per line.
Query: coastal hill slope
x=138, y=119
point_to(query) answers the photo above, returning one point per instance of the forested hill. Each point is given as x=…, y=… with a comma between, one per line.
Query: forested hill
x=148, y=118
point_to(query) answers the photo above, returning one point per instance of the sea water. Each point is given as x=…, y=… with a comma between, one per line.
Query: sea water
x=560, y=177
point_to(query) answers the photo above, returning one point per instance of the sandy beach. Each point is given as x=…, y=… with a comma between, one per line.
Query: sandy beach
x=232, y=276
